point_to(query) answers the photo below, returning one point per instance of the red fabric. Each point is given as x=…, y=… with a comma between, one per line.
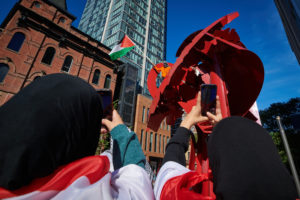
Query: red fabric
x=126, y=42
x=93, y=167
x=186, y=186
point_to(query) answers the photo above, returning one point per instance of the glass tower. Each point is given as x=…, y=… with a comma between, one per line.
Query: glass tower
x=289, y=11
x=144, y=21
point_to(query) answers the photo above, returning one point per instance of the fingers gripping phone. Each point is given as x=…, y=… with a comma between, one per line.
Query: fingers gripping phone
x=107, y=107
x=208, y=98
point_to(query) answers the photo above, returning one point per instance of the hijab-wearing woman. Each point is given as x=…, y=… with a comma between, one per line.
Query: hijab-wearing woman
x=244, y=161
x=49, y=132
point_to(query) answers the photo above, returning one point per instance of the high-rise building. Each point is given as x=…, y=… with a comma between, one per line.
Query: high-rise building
x=289, y=11
x=144, y=22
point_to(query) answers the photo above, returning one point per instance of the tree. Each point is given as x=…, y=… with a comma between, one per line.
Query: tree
x=284, y=110
x=278, y=142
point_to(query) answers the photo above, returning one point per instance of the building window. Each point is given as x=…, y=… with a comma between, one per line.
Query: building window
x=147, y=114
x=62, y=20
x=163, y=150
x=155, y=140
x=37, y=78
x=3, y=71
x=67, y=64
x=96, y=76
x=143, y=114
x=151, y=140
x=36, y=4
x=159, y=143
x=16, y=42
x=107, y=81
x=145, y=147
x=167, y=139
x=48, y=56
x=141, y=139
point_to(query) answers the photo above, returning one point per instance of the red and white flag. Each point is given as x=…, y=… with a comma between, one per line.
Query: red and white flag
x=87, y=178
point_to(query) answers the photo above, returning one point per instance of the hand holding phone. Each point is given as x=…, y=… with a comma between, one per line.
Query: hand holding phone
x=107, y=107
x=208, y=98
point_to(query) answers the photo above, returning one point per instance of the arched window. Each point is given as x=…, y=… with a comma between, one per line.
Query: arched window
x=96, y=76
x=107, y=81
x=48, y=56
x=37, y=78
x=36, y=4
x=16, y=41
x=67, y=64
x=62, y=20
x=3, y=71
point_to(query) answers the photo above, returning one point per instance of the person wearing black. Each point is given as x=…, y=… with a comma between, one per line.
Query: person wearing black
x=49, y=132
x=244, y=160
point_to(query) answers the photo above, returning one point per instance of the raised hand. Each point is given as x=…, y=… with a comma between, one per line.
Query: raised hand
x=214, y=119
x=194, y=116
x=116, y=120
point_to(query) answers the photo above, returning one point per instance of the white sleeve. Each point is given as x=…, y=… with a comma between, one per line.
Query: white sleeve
x=131, y=182
x=169, y=170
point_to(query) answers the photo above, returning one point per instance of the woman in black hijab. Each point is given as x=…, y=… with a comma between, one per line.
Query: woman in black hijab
x=51, y=122
x=244, y=161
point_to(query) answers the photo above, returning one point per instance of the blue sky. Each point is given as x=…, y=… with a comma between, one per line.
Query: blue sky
x=259, y=27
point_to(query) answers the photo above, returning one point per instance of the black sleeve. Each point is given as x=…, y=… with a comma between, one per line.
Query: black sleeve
x=177, y=146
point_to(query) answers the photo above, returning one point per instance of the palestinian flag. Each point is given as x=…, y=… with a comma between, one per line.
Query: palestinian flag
x=124, y=46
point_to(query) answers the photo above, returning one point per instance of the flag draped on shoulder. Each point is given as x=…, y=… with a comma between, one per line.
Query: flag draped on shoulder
x=87, y=178
x=124, y=46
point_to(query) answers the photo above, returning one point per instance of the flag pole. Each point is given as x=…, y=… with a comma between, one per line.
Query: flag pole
x=146, y=56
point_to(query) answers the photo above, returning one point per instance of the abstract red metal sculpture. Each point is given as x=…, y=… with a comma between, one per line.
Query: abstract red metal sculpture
x=208, y=56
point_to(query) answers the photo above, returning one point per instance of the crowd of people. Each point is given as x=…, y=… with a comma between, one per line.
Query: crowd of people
x=49, y=132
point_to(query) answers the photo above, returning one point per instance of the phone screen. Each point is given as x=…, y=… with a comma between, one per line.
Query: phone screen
x=208, y=98
x=106, y=102
x=106, y=96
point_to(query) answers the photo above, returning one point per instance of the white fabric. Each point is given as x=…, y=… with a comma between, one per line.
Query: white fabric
x=36, y=195
x=169, y=170
x=129, y=182
x=254, y=111
x=116, y=49
x=81, y=189
x=108, y=154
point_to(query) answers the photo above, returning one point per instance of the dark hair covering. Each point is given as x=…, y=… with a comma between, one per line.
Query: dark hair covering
x=245, y=163
x=51, y=122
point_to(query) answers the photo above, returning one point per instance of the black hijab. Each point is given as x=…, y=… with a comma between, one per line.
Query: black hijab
x=51, y=122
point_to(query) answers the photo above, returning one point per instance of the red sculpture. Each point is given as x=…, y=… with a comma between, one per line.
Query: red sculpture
x=211, y=56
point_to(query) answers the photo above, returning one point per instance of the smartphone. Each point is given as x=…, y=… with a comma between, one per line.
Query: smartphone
x=107, y=107
x=208, y=98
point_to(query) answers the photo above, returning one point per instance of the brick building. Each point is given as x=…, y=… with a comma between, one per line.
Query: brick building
x=153, y=143
x=37, y=38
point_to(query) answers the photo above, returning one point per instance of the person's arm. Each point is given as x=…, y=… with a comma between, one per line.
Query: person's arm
x=178, y=144
x=126, y=149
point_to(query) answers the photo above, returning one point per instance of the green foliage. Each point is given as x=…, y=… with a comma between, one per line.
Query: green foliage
x=278, y=142
x=103, y=144
x=268, y=119
x=284, y=110
x=115, y=104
